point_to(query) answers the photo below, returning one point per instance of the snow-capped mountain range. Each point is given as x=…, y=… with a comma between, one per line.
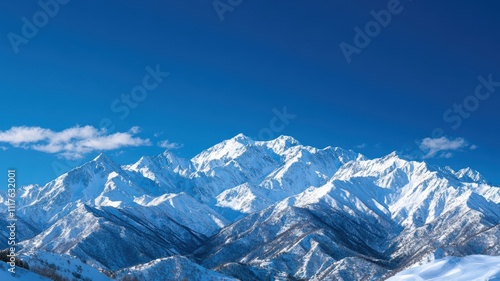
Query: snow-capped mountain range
x=256, y=210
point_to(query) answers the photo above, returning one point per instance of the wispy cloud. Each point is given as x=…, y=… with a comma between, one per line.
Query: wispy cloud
x=443, y=147
x=71, y=143
x=361, y=146
x=169, y=145
x=3, y=148
x=119, y=152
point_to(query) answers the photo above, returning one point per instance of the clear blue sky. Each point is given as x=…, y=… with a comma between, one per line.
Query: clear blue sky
x=227, y=76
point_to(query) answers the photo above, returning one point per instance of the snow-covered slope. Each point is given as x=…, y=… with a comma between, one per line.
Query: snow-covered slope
x=172, y=268
x=71, y=268
x=115, y=238
x=20, y=275
x=384, y=212
x=99, y=182
x=313, y=235
x=166, y=169
x=113, y=218
x=469, y=268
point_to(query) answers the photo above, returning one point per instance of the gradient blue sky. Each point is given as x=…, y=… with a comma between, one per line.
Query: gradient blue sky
x=227, y=76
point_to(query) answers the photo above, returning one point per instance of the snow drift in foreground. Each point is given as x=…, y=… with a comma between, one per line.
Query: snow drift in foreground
x=469, y=268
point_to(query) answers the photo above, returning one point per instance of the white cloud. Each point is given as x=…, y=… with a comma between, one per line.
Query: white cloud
x=3, y=148
x=71, y=143
x=169, y=145
x=19, y=135
x=447, y=155
x=443, y=146
x=361, y=146
x=473, y=147
x=135, y=130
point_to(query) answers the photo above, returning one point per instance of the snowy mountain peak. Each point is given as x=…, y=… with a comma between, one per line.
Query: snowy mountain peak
x=102, y=158
x=280, y=144
x=393, y=159
x=449, y=170
x=103, y=161
x=360, y=157
x=469, y=175
x=143, y=161
x=165, y=161
x=169, y=155
x=241, y=138
x=220, y=153
x=174, y=160
x=287, y=140
x=393, y=154
x=101, y=164
x=351, y=153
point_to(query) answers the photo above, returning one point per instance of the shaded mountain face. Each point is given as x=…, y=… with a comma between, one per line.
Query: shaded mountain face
x=373, y=216
x=257, y=210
